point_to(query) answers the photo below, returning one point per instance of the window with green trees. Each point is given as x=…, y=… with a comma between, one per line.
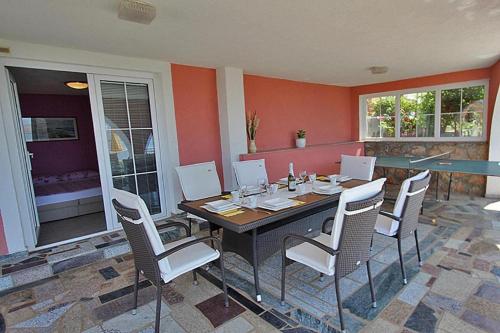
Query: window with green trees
x=439, y=112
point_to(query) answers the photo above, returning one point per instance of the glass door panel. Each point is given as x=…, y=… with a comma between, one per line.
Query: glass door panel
x=130, y=140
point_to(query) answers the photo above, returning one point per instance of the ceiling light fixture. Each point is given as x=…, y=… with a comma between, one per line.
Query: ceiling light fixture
x=136, y=11
x=77, y=85
x=378, y=69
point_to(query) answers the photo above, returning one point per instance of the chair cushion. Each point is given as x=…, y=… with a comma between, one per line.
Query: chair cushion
x=187, y=259
x=357, y=167
x=248, y=173
x=313, y=256
x=386, y=226
x=133, y=201
x=199, y=181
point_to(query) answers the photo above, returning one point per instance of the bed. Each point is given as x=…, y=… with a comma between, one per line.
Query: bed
x=68, y=195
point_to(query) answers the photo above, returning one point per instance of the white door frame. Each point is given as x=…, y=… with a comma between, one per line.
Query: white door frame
x=98, y=116
x=13, y=194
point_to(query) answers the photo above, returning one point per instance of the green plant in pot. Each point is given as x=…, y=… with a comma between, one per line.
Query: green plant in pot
x=252, y=125
x=300, y=140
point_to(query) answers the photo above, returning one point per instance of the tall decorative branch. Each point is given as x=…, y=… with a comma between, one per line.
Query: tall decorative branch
x=252, y=125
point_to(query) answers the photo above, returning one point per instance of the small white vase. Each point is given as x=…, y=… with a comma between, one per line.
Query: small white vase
x=300, y=143
x=252, y=147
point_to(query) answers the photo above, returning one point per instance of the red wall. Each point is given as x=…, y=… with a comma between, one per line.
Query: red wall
x=494, y=85
x=197, y=115
x=321, y=159
x=284, y=106
x=469, y=75
x=57, y=157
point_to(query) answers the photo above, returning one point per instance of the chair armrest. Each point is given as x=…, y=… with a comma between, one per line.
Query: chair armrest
x=311, y=241
x=176, y=224
x=216, y=240
x=323, y=227
x=392, y=216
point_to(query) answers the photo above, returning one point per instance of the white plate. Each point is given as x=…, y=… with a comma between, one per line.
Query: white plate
x=219, y=205
x=341, y=178
x=275, y=209
x=211, y=210
x=278, y=202
x=328, y=190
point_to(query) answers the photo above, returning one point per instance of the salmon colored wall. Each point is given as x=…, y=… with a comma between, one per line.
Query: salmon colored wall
x=284, y=106
x=197, y=115
x=3, y=241
x=494, y=85
x=433, y=80
x=321, y=159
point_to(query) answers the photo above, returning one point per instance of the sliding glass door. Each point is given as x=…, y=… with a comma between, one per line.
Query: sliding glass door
x=129, y=137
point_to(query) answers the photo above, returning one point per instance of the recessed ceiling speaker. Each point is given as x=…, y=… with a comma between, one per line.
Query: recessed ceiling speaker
x=137, y=11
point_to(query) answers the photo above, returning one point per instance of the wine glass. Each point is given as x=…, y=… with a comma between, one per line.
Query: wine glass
x=262, y=185
x=312, y=177
x=303, y=175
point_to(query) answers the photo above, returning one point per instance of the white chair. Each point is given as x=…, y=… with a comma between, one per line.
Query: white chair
x=199, y=181
x=403, y=220
x=348, y=245
x=357, y=167
x=248, y=173
x=157, y=262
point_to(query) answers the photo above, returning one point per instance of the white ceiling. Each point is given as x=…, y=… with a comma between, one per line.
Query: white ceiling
x=40, y=81
x=327, y=41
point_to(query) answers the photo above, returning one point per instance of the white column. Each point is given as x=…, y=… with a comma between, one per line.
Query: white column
x=232, y=122
x=493, y=183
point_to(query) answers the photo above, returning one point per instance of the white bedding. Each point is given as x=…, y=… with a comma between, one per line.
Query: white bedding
x=67, y=196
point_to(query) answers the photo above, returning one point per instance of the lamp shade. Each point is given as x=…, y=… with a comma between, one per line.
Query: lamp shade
x=117, y=145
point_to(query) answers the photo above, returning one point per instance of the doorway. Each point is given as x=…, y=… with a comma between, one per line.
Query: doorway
x=57, y=129
x=127, y=143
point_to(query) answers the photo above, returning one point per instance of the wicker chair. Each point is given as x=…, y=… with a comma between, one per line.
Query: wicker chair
x=348, y=246
x=157, y=262
x=403, y=221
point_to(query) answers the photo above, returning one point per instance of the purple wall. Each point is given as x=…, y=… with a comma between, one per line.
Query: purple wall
x=57, y=157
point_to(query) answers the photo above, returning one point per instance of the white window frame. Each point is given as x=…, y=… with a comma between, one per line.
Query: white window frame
x=437, y=119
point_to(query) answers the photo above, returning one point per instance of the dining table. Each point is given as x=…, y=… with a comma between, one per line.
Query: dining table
x=257, y=233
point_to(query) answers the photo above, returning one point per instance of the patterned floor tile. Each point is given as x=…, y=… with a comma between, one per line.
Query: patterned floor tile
x=413, y=293
x=489, y=291
x=483, y=322
x=397, y=312
x=461, y=287
x=423, y=319
x=214, y=309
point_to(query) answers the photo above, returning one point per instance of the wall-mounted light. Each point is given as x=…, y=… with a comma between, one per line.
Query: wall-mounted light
x=77, y=85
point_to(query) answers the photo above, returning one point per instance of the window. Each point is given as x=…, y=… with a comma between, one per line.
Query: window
x=381, y=117
x=452, y=112
x=462, y=112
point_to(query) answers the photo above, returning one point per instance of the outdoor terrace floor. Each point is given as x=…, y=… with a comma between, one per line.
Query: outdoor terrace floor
x=456, y=290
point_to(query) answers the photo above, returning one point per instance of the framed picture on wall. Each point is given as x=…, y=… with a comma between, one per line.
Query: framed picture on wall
x=50, y=129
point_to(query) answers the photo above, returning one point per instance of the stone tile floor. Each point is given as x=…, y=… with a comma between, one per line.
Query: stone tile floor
x=456, y=290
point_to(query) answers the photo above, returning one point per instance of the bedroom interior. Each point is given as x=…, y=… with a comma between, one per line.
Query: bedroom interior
x=58, y=129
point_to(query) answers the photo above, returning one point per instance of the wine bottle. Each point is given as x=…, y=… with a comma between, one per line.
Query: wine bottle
x=292, y=183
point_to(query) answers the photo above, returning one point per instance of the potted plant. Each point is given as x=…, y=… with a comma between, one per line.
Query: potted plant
x=252, y=126
x=300, y=141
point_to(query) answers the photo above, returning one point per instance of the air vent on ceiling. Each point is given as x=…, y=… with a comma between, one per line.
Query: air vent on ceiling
x=137, y=11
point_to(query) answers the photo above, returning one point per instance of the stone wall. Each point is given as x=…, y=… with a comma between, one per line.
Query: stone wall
x=471, y=185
